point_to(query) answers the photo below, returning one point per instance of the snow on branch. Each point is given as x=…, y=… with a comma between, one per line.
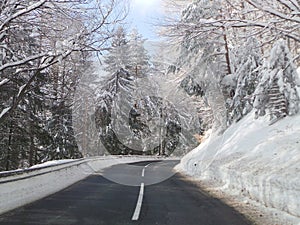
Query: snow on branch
x=291, y=4
x=4, y=111
x=274, y=12
x=4, y=81
x=208, y=25
x=21, y=62
x=22, y=12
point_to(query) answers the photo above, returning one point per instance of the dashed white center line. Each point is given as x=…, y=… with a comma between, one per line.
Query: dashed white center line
x=143, y=172
x=139, y=203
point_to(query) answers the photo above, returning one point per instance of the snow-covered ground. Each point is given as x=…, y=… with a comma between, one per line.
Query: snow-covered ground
x=298, y=88
x=255, y=161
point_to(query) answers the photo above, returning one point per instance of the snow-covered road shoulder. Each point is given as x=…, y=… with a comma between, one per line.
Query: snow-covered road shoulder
x=253, y=160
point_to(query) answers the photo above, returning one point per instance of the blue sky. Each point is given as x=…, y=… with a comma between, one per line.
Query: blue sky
x=143, y=14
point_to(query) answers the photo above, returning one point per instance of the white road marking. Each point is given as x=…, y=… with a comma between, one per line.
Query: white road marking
x=143, y=172
x=139, y=203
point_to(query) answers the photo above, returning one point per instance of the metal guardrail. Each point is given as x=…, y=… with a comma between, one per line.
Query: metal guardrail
x=11, y=176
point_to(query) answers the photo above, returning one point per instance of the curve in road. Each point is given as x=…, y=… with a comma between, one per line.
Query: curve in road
x=98, y=200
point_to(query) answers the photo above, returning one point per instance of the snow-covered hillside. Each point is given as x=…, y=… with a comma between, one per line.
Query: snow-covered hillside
x=253, y=160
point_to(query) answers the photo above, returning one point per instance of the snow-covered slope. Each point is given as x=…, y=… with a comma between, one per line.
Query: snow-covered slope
x=254, y=160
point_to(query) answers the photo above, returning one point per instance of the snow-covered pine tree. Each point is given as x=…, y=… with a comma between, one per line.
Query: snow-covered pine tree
x=276, y=91
x=119, y=81
x=23, y=136
x=34, y=37
x=62, y=81
x=83, y=112
x=204, y=54
x=126, y=62
x=139, y=59
x=113, y=104
x=247, y=60
x=118, y=54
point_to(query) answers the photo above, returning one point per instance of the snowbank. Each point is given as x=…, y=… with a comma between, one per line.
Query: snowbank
x=18, y=187
x=52, y=163
x=298, y=88
x=253, y=160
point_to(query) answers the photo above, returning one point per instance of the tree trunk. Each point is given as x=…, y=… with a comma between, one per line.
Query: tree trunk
x=227, y=55
x=7, y=167
x=31, y=150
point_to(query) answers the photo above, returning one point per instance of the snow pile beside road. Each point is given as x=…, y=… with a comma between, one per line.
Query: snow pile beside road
x=52, y=163
x=253, y=160
x=298, y=88
x=21, y=189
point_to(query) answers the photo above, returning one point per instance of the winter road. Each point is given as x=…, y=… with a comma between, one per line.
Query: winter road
x=99, y=201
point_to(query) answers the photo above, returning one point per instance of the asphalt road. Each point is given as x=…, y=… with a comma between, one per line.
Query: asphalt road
x=99, y=200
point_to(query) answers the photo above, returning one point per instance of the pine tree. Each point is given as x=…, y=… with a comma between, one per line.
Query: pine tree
x=139, y=59
x=118, y=55
x=277, y=91
x=43, y=53
x=248, y=60
x=126, y=62
x=204, y=55
x=114, y=103
x=22, y=133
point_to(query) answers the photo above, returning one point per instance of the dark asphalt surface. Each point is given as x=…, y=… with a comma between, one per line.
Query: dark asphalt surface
x=99, y=201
